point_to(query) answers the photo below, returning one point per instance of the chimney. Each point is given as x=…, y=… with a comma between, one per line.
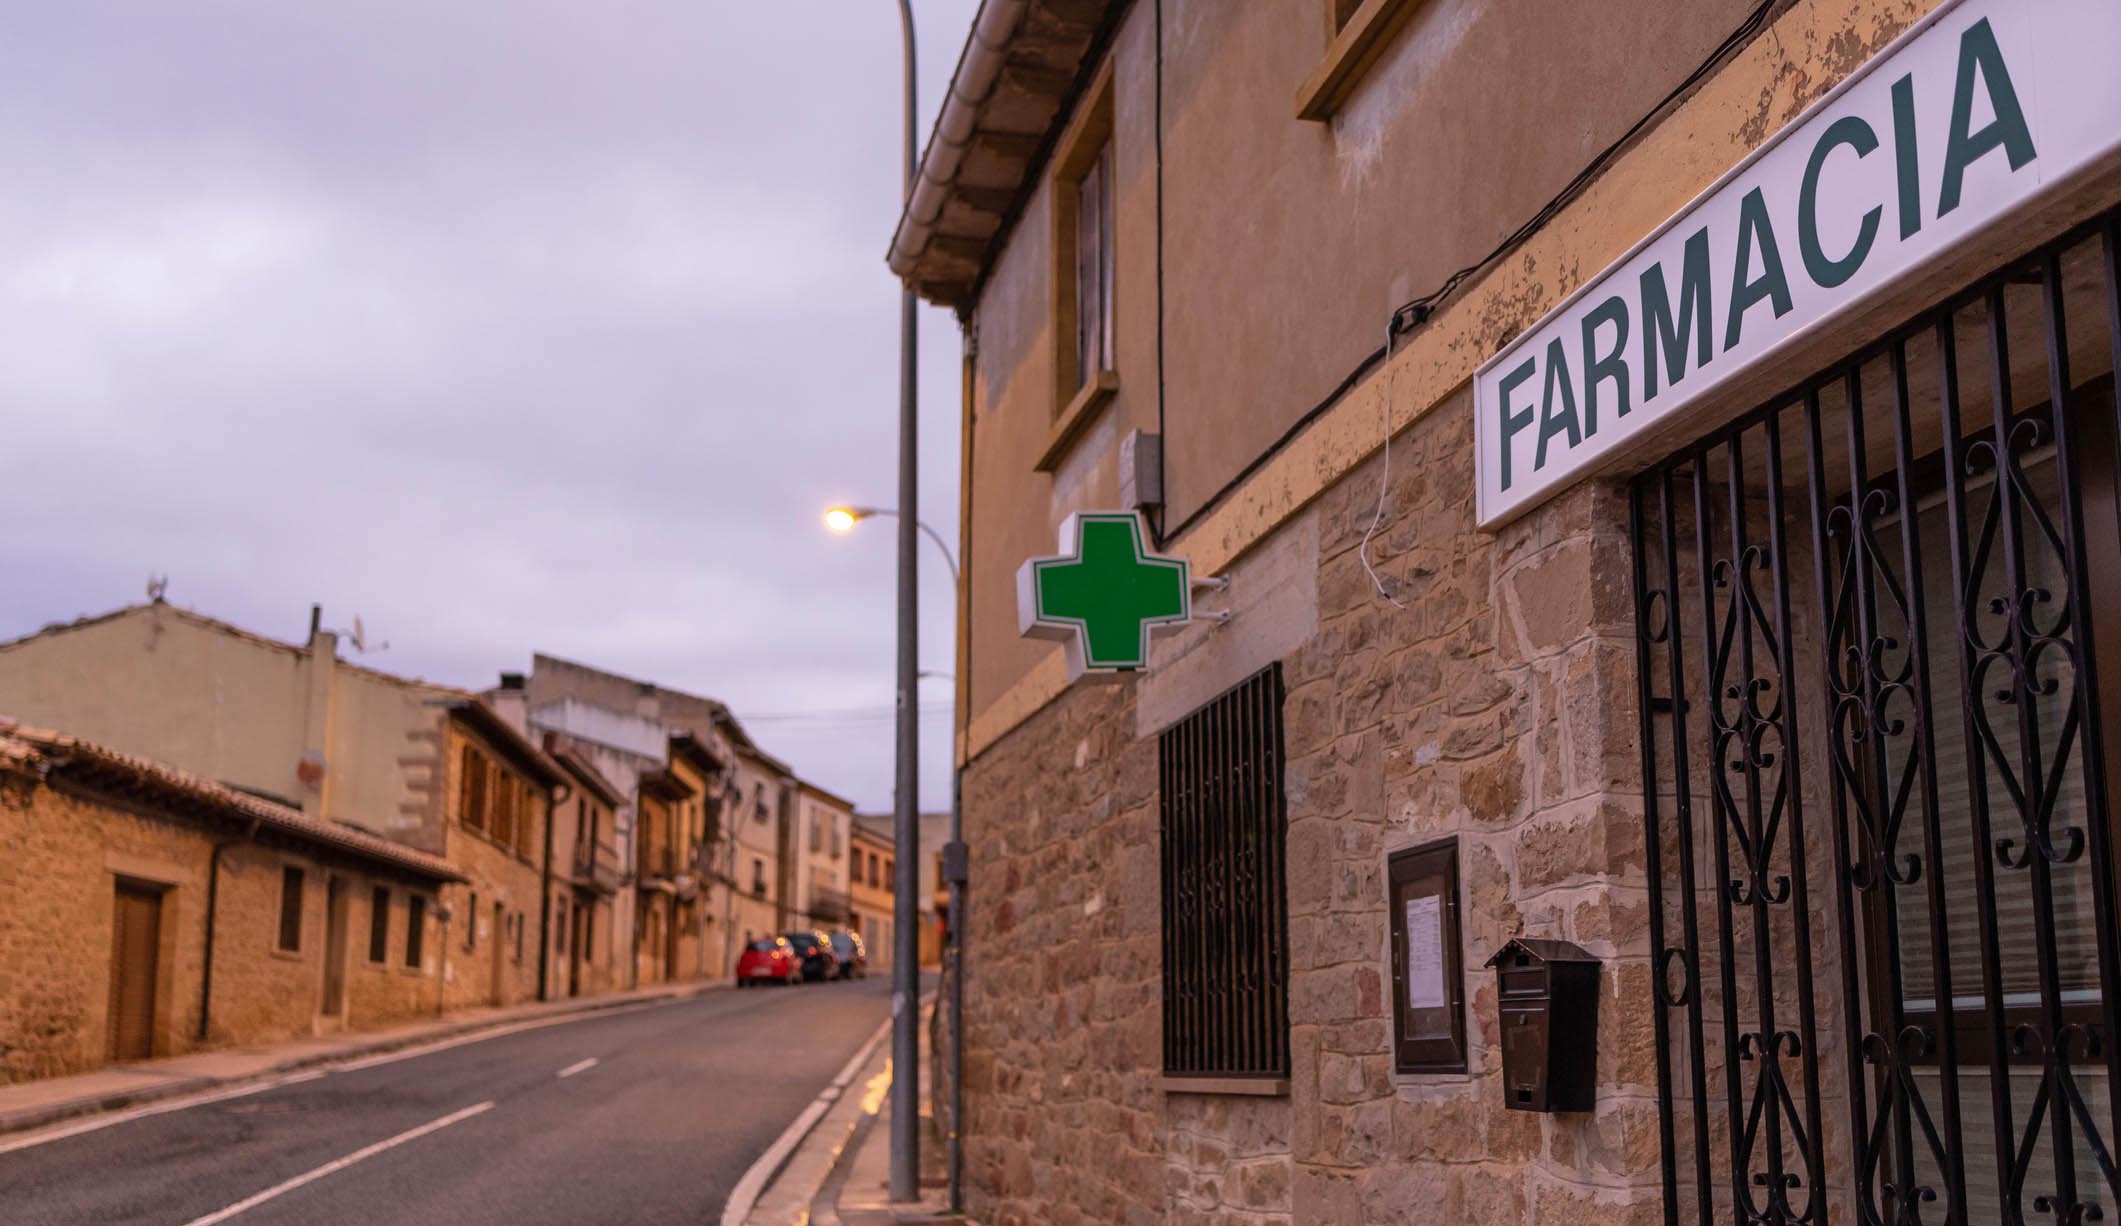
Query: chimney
x=511, y=681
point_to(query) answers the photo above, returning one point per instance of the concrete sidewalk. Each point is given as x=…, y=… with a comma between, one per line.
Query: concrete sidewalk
x=841, y=1173
x=37, y=1104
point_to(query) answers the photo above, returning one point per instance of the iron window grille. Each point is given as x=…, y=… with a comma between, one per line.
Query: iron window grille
x=1878, y=620
x=1225, y=886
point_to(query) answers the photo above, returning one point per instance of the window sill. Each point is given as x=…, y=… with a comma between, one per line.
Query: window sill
x=1353, y=51
x=1076, y=418
x=288, y=955
x=1250, y=1087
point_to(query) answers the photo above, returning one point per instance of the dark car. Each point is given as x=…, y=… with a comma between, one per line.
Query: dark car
x=768, y=960
x=814, y=951
x=853, y=955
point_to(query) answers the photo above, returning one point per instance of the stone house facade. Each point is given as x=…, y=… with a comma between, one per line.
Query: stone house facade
x=1415, y=727
x=587, y=877
x=496, y=926
x=761, y=818
x=147, y=912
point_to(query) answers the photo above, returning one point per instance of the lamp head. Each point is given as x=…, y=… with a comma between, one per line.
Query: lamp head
x=841, y=519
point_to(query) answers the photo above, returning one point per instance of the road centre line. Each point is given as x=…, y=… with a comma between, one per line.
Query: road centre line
x=580, y=1066
x=340, y=1164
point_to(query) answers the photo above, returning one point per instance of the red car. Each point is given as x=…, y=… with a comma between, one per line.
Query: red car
x=768, y=960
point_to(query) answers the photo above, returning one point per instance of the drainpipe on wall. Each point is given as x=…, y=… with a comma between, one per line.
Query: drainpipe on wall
x=213, y=895
x=558, y=795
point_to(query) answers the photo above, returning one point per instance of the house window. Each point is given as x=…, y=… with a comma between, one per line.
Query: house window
x=504, y=809
x=1225, y=902
x=379, y=925
x=1083, y=196
x=758, y=801
x=517, y=919
x=817, y=832
x=585, y=935
x=890, y=874
x=526, y=818
x=473, y=797
x=559, y=925
x=1357, y=34
x=415, y=930
x=471, y=922
x=290, y=908
x=758, y=877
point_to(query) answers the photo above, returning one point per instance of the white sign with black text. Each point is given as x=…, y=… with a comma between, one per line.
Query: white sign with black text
x=1977, y=110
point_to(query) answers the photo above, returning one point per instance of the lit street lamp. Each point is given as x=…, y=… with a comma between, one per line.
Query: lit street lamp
x=843, y=519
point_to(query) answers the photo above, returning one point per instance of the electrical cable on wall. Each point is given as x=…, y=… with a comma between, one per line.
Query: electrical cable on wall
x=1414, y=313
x=1384, y=478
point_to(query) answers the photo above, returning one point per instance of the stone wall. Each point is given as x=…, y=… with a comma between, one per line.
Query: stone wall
x=61, y=856
x=481, y=966
x=1496, y=706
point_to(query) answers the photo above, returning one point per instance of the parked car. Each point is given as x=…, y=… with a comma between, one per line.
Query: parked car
x=853, y=955
x=768, y=960
x=813, y=950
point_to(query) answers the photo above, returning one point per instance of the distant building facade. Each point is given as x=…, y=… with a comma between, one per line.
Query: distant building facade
x=819, y=859
x=148, y=912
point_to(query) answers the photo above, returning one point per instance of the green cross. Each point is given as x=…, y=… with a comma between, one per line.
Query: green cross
x=1103, y=598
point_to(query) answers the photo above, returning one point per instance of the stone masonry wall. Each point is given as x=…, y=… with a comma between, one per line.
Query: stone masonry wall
x=1497, y=706
x=61, y=855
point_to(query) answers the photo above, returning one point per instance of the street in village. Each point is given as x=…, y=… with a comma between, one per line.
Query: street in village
x=642, y=1114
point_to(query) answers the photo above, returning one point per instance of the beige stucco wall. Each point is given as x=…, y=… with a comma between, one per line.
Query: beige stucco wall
x=1475, y=116
x=240, y=709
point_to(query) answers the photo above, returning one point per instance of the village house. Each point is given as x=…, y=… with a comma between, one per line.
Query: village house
x=145, y=911
x=872, y=877
x=761, y=818
x=588, y=876
x=820, y=894
x=1643, y=478
x=500, y=838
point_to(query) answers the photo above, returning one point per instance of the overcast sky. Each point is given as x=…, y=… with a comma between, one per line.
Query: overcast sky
x=519, y=326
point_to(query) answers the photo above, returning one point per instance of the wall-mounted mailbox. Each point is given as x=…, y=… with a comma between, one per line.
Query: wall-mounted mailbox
x=1547, y=998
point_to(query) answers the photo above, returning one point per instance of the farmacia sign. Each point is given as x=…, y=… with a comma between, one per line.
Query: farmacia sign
x=1980, y=107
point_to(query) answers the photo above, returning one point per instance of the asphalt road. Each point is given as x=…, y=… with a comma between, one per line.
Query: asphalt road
x=680, y=1100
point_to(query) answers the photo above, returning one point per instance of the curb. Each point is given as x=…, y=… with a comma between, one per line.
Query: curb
x=29, y=1119
x=761, y=1174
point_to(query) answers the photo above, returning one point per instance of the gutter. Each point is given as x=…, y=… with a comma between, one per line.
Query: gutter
x=979, y=66
x=213, y=895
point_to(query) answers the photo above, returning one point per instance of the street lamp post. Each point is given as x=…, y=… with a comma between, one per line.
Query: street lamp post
x=843, y=519
x=905, y=970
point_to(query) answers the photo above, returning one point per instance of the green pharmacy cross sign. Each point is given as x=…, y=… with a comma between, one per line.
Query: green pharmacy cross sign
x=1103, y=593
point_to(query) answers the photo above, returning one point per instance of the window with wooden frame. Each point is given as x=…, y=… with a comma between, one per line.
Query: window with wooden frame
x=504, y=809
x=1357, y=33
x=471, y=922
x=290, y=909
x=379, y=924
x=471, y=788
x=415, y=931
x=1083, y=198
x=1428, y=960
x=526, y=817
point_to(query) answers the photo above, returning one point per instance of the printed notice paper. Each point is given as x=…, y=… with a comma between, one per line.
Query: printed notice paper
x=1425, y=953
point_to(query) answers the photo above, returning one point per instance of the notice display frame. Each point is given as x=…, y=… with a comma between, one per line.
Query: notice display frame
x=1427, y=959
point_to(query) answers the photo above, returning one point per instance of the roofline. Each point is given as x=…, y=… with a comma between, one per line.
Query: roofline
x=585, y=773
x=992, y=61
x=503, y=736
x=45, y=755
x=834, y=797
x=697, y=751
x=718, y=711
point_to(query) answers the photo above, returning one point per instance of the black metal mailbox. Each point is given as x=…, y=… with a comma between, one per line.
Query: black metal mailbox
x=1547, y=997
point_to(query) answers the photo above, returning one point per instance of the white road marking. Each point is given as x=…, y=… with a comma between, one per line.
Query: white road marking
x=581, y=1066
x=60, y=1132
x=339, y=1164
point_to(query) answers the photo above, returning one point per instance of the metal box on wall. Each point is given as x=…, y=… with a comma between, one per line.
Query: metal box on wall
x=1547, y=998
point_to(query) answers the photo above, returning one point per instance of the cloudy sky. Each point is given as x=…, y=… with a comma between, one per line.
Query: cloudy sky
x=516, y=326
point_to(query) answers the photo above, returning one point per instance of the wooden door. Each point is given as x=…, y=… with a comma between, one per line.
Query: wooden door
x=136, y=938
x=335, y=920
x=500, y=926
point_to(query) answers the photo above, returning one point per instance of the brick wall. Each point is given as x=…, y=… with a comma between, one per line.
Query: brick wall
x=1497, y=706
